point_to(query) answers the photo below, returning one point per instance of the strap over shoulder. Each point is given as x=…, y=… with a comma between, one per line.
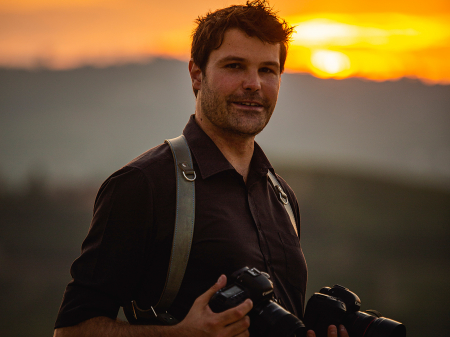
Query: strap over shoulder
x=283, y=198
x=184, y=221
x=182, y=238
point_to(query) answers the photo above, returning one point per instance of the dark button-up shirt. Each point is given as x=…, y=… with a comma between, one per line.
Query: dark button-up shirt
x=126, y=252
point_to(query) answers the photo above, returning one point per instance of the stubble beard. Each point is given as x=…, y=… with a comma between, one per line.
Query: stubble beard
x=224, y=115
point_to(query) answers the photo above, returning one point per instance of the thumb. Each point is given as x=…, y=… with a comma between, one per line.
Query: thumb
x=221, y=282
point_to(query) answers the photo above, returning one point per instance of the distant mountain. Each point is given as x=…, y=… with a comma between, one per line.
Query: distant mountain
x=388, y=128
x=85, y=123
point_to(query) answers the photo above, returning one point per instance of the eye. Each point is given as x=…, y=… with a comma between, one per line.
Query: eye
x=267, y=70
x=233, y=66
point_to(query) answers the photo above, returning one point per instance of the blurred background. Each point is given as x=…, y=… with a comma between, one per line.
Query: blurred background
x=361, y=133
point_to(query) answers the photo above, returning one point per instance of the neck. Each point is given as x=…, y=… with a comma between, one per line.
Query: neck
x=236, y=148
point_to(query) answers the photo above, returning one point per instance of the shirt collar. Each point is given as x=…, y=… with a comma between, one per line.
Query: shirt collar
x=210, y=159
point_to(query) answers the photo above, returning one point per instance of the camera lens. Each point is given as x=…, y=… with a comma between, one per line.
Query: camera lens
x=382, y=327
x=362, y=324
x=271, y=320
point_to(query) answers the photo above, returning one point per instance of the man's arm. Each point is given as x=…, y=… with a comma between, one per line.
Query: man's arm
x=200, y=321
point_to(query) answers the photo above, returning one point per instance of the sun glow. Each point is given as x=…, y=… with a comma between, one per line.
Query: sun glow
x=330, y=63
x=375, y=46
x=353, y=39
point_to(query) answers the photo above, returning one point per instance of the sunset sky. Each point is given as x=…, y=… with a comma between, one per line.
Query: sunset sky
x=381, y=40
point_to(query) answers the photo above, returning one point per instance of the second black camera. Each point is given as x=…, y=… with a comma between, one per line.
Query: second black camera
x=338, y=305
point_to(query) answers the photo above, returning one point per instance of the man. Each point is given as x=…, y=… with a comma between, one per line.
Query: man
x=238, y=56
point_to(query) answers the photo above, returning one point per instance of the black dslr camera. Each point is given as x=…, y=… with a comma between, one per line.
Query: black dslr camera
x=338, y=305
x=268, y=319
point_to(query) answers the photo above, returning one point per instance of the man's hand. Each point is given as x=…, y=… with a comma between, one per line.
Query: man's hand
x=202, y=321
x=332, y=332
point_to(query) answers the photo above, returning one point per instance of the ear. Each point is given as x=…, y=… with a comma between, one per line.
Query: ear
x=196, y=75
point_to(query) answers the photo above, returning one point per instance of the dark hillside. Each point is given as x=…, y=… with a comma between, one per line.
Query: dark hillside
x=386, y=241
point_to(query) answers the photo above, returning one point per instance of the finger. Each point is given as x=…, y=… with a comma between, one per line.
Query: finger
x=342, y=331
x=244, y=334
x=332, y=331
x=238, y=328
x=310, y=333
x=237, y=313
x=206, y=296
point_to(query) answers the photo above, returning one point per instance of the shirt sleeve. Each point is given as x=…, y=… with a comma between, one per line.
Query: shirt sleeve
x=108, y=270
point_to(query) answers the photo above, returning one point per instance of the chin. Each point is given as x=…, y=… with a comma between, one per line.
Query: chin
x=248, y=131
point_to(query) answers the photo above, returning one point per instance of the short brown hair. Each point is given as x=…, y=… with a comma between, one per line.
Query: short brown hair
x=256, y=18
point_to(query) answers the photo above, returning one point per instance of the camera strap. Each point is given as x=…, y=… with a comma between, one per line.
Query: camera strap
x=184, y=220
x=282, y=196
x=182, y=238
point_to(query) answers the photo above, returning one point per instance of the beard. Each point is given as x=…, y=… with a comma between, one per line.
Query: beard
x=226, y=115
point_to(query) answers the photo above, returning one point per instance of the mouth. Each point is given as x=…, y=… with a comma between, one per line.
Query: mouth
x=249, y=104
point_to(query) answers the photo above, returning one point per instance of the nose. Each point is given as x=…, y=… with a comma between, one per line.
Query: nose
x=252, y=81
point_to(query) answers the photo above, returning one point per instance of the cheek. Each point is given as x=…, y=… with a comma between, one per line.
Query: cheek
x=222, y=86
x=229, y=84
x=272, y=90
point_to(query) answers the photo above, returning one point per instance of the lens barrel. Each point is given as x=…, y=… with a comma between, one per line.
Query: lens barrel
x=361, y=324
x=272, y=320
x=385, y=327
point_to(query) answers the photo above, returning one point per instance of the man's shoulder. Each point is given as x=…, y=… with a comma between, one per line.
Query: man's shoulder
x=157, y=158
x=151, y=168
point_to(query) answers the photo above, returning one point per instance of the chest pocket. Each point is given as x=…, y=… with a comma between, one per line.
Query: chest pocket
x=295, y=266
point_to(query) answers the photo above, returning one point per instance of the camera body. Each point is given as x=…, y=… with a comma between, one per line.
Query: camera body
x=247, y=283
x=267, y=318
x=338, y=305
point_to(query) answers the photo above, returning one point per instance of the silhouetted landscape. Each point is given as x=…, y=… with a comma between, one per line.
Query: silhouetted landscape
x=369, y=163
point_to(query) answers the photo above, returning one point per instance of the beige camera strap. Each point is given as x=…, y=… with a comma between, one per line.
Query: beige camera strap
x=283, y=198
x=184, y=220
x=183, y=232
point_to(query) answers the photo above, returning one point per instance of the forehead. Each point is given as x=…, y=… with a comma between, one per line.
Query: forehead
x=238, y=44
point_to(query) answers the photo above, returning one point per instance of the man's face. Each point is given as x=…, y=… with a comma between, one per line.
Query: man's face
x=239, y=89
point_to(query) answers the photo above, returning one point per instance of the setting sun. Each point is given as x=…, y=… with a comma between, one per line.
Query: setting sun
x=375, y=46
x=330, y=63
x=383, y=41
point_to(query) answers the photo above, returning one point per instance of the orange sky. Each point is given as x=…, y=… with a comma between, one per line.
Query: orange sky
x=376, y=40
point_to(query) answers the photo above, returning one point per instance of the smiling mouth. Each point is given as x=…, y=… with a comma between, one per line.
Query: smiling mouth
x=251, y=104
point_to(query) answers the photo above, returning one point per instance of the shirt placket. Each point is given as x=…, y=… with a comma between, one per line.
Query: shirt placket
x=255, y=204
x=263, y=243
